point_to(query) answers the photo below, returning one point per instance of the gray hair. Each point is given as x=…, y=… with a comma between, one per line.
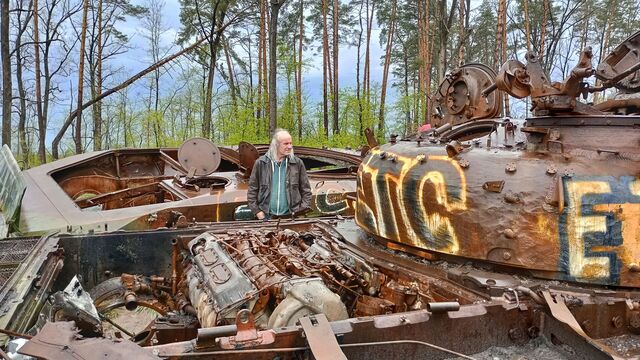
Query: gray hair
x=272, y=153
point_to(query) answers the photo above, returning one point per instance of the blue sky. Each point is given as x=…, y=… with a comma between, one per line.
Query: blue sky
x=138, y=58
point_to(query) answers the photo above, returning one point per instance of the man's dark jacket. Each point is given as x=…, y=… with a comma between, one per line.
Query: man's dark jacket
x=296, y=183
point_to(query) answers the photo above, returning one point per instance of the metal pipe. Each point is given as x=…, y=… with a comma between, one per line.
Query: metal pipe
x=489, y=90
x=442, y=129
x=15, y=334
x=130, y=301
x=532, y=294
x=211, y=333
x=624, y=74
x=441, y=307
x=128, y=333
x=174, y=267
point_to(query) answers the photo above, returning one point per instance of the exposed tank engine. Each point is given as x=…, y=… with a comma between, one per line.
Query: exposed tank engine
x=278, y=275
x=557, y=195
x=267, y=275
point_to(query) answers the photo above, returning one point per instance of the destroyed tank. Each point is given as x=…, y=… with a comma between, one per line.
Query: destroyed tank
x=556, y=195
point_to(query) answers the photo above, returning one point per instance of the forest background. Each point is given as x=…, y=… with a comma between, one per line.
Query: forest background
x=82, y=75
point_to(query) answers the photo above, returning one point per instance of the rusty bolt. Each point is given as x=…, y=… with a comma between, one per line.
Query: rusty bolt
x=587, y=325
x=506, y=255
x=533, y=331
x=617, y=321
x=551, y=170
x=516, y=334
x=509, y=234
x=464, y=163
x=511, y=198
x=510, y=168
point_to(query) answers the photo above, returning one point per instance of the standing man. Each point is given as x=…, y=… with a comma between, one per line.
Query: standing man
x=279, y=185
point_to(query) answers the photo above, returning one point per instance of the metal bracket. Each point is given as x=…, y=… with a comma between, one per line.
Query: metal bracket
x=321, y=338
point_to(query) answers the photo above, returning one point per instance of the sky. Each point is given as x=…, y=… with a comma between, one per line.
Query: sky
x=138, y=58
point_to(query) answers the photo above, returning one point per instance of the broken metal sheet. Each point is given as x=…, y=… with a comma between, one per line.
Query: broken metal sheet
x=12, y=189
x=60, y=341
x=29, y=267
x=560, y=311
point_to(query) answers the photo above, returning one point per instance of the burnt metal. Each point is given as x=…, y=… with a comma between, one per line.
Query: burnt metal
x=460, y=96
x=576, y=223
x=620, y=67
x=142, y=188
x=248, y=154
x=60, y=340
x=519, y=80
x=390, y=294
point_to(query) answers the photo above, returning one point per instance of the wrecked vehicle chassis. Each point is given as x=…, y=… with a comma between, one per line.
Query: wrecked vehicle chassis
x=394, y=306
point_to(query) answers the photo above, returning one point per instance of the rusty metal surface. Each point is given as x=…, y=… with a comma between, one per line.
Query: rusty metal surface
x=419, y=196
x=621, y=67
x=141, y=189
x=199, y=156
x=60, y=340
x=30, y=266
x=459, y=97
x=394, y=302
x=521, y=80
x=321, y=338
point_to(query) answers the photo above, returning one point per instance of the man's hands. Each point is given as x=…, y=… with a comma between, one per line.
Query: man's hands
x=260, y=215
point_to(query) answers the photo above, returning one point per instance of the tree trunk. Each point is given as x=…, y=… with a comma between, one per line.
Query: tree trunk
x=527, y=26
x=358, y=96
x=273, y=54
x=543, y=30
x=446, y=23
x=507, y=109
x=42, y=122
x=336, y=88
x=22, y=119
x=367, y=56
x=213, y=53
x=325, y=69
x=97, y=107
x=424, y=74
x=7, y=86
x=261, y=36
x=405, y=61
x=83, y=36
x=299, y=67
x=604, y=44
x=265, y=81
x=462, y=33
x=387, y=64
